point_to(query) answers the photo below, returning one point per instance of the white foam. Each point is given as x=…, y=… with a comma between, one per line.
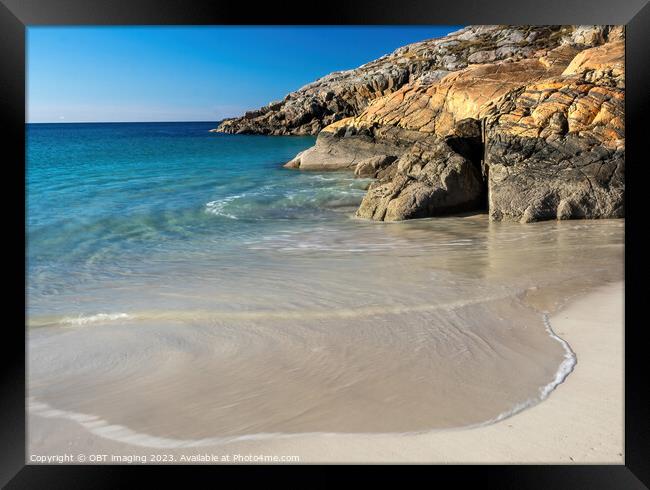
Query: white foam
x=218, y=207
x=566, y=367
x=567, y=364
x=120, y=433
x=99, y=317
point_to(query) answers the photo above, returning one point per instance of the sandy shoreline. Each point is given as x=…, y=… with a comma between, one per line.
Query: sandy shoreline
x=581, y=421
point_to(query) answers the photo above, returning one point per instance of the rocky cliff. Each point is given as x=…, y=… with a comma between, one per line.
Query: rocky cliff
x=556, y=148
x=347, y=93
x=526, y=121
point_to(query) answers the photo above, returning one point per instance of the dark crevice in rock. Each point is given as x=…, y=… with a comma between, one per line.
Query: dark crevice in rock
x=468, y=141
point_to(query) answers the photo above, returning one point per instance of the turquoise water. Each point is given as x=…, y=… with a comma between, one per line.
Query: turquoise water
x=127, y=218
x=169, y=263
x=113, y=201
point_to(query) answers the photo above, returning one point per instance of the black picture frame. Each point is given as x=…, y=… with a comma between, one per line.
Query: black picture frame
x=16, y=15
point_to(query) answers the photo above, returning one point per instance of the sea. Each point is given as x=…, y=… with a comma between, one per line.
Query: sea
x=184, y=287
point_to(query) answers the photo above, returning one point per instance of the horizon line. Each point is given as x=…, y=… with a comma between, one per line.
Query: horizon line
x=124, y=122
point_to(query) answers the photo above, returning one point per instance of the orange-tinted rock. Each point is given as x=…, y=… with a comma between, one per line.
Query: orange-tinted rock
x=533, y=114
x=348, y=93
x=436, y=108
x=555, y=149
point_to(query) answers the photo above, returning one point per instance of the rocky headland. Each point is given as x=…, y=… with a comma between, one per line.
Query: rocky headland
x=526, y=121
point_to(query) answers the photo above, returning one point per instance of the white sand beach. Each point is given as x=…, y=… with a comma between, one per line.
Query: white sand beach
x=580, y=422
x=418, y=260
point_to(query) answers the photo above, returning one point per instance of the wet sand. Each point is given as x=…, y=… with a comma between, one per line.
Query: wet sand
x=365, y=345
x=581, y=421
x=412, y=370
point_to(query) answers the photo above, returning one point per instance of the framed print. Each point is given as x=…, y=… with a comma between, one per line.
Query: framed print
x=367, y=234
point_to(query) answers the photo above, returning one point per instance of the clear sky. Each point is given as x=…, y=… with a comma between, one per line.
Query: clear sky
x=189, y=73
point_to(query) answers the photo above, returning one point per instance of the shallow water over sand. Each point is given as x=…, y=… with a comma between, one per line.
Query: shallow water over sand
x=215, y=307
x=442, y=329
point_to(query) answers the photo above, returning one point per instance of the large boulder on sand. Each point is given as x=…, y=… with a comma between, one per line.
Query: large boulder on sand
x=430, y=180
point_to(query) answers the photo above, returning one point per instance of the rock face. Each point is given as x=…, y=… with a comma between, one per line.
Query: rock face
x=373, y=166
x=347, y=93
x=433, y=177
x=527, y=121
x=556, y=148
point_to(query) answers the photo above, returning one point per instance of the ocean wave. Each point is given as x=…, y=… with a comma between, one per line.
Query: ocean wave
x=99, y=317
x=283, y=204
x=565, y=368
x=121, y=433
x=218, y=207
x=567, y=365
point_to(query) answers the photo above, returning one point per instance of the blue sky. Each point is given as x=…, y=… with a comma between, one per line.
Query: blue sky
x=189, y=73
